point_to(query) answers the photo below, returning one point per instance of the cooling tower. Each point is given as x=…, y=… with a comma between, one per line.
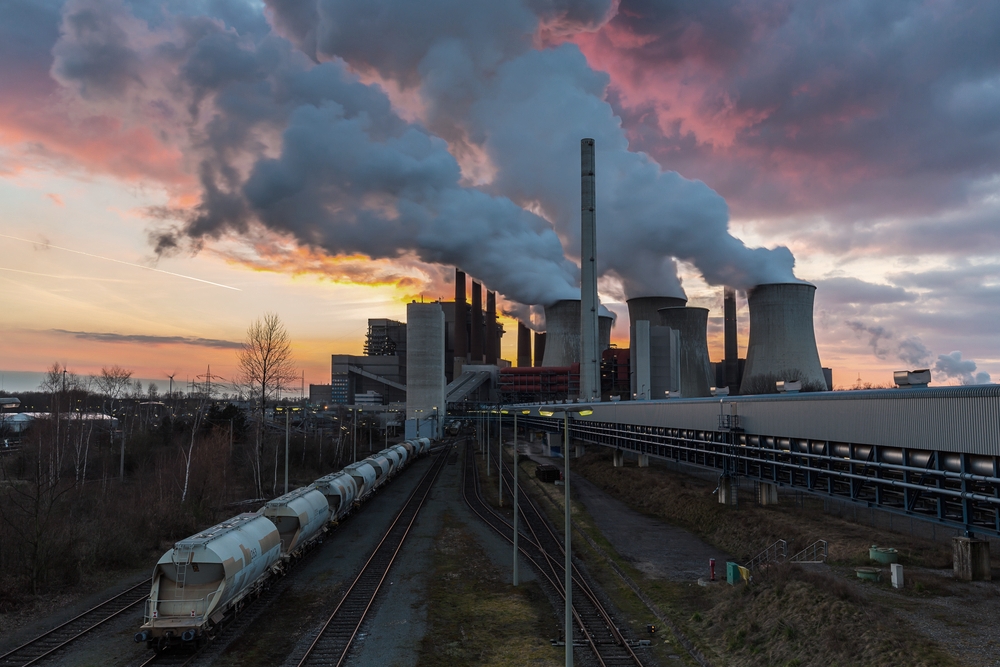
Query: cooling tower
x=562, y=333
x=605, y=323
x=539, y=348
x=695, y=367
x=646, y=308
x=523, y=345
x=782, y=340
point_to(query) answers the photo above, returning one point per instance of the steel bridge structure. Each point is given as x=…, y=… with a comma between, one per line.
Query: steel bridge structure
x=931, y=453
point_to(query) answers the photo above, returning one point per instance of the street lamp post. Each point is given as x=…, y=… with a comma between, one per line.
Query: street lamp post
x=489, y=416
x=514, y=493
x=500, y=457
x=354, y=432
x=566, y=410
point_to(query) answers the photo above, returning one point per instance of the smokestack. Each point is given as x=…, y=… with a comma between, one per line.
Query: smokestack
x=646, y=308
x=491, y=344
x=782, y=340
x=695, y=367
x=523, y=345
x=461, y=334
x=562, y=335
x=605, y=324
x=539, y=348
x=476, y=328
x=732, y=361
x=590, y=354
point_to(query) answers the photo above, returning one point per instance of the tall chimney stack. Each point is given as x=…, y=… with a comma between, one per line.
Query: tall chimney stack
x=590, y=353
x=476, y=329
x=490, y=347
x=732, y=361
x=461, y=334
x=523, y=345
x=539, y=348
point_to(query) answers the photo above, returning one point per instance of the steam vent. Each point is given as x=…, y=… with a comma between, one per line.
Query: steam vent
x=782, y=340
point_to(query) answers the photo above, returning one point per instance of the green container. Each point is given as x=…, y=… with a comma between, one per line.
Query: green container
x=733, y=574
x=869, y=573
x=883, y=555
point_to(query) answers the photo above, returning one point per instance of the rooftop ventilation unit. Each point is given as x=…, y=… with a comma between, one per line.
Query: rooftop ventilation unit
x=912, y=379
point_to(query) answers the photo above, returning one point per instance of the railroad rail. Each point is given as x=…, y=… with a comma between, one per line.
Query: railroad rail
x=45, y=645
x=334, y=640
x=595, y=628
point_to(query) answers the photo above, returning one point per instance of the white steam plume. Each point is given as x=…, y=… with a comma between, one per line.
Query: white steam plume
x=487, y=88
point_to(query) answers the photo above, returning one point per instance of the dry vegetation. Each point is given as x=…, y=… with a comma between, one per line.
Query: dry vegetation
x=791, y=615
x=475, y=617
x=70, y=524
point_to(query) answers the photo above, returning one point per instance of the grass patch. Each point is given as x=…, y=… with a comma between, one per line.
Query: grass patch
x=273, y=634
x=475, y=617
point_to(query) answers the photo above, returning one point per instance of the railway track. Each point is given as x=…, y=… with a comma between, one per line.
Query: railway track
x=538, y=543
x=44, y=646
x=332, y=643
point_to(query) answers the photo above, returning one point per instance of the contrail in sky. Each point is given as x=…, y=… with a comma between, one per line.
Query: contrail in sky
x=118, y=261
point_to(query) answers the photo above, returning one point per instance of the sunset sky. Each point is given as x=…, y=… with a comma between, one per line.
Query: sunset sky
x=330, y=160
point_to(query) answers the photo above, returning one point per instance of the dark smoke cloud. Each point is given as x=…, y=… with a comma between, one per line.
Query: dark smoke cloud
x=485, y=88
x=305, y=149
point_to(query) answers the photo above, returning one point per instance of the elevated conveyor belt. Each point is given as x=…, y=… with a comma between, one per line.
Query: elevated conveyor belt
x=466, y=383
x=932, y=454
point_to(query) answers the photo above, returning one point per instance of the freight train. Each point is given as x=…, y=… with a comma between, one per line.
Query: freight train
x=206, y=579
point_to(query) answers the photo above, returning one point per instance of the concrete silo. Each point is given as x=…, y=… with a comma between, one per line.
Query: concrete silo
x=782, y=342
x=694, y=366
x=425, y=381
x=646, y=308
x=562, y=333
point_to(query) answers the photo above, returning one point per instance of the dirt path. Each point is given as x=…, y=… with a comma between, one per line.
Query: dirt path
x=655, y=548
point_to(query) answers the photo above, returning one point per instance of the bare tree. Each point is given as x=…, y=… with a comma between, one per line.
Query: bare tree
x=265, y=367
x=115, y=383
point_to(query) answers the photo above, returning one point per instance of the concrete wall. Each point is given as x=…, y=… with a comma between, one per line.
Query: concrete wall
x=425, y=361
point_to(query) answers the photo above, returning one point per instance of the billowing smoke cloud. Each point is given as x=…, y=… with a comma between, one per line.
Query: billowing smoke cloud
x=912, y=351
x=303, y=148
x=295, y=141
x=964, y=370
x=521, y=111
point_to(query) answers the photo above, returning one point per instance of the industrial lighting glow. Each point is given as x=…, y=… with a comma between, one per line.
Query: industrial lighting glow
x=546, y=413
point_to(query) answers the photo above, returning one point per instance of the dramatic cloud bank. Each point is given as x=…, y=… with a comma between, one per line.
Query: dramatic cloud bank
x=301, y=137
x=879, y=122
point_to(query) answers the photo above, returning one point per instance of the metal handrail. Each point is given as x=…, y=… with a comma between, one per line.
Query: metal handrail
x=814, y=553
x=776, y=553
x=200, y=606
